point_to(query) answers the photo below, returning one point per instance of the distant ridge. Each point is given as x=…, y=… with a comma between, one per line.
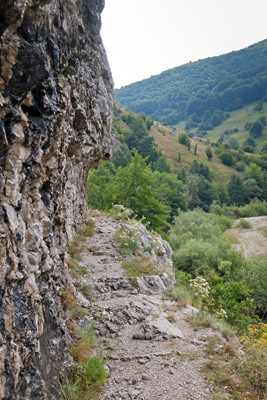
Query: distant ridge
x=226, y=83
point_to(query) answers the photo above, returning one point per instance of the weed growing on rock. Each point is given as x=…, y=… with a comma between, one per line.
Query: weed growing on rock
x=127, y=241
x=88, y=231
x=140, y=266
x=75, y=268
x=77, y=312
x=206, y=320
x=86, y=290
x=73, y=310
x=76, y=246
x=86, y=341
x=119, y=212
x=86, y=380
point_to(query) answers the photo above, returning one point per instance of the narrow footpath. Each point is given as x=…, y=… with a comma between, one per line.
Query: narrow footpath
x=154, y=351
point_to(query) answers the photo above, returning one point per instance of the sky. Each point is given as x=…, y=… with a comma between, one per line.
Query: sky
x=145, y=37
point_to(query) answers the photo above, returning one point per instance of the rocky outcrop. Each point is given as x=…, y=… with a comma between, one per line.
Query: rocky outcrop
x=56, y=101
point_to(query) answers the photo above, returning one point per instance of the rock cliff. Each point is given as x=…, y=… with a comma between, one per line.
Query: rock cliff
x=56, y=95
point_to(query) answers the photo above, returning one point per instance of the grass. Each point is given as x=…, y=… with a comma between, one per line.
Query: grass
x=88, y=231
x=75, y=268
x=243, y=377
x=73, y=310
x=206, y=320
x=86, y=380
x=183, y=296
x=264, y=231
x=237, y=120
x=140, y=266
x=85, y=343
x=75, y=247
x=86, y=290
x=171, y=317
x=77, y=312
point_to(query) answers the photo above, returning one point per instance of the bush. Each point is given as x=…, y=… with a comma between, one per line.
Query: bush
x=253, y=367
x=254, y=273
x=243, y=223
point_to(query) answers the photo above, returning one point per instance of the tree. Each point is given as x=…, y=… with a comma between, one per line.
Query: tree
x=100, y=186
x=227, y=157
x=236, y=190
x=134, y=189
x=256, y=129
x=121, y=157
x=216, y=120
x=209, y=153
x=233, y=143
x=195, y=149
x=199, y=192
x=168, y=189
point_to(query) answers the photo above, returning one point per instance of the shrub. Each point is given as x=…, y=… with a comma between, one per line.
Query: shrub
x=127, y=241
x=243, y=223
x=183, y=296
x=253, y=367
x=254, y=273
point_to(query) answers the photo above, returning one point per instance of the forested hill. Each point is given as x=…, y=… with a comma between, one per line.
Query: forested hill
x=199, y=89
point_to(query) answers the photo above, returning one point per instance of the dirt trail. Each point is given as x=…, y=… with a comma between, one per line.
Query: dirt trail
x=154, y=351
x=251, y=241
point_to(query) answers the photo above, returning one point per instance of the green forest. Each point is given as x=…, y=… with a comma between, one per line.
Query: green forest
x=203, y=92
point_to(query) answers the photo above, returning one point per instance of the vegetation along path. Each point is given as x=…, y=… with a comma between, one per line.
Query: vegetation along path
x=153, y=351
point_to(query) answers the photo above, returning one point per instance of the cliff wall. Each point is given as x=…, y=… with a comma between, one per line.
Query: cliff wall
x=56, y=95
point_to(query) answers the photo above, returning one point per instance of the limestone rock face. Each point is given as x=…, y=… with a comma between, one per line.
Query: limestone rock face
x=56, y=96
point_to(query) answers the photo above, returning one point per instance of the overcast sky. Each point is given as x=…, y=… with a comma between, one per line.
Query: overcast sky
x=145, y=37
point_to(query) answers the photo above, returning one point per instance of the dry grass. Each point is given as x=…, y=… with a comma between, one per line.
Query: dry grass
x=168, y=144
x=88, y=231
x=139, y=266
x=75, y=268
x=87, y=291
x=183, y=296
x=70, y=301
x=171, y=317
x=75, y=247
x=85, y=344
x=206, y=320
x=73, y=310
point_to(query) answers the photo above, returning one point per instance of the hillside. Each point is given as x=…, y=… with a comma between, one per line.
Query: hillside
x=195, y=91
x=234, y=128
x=167, y=141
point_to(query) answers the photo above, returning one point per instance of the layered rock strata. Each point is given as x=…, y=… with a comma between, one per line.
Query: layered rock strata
x=56, y=95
